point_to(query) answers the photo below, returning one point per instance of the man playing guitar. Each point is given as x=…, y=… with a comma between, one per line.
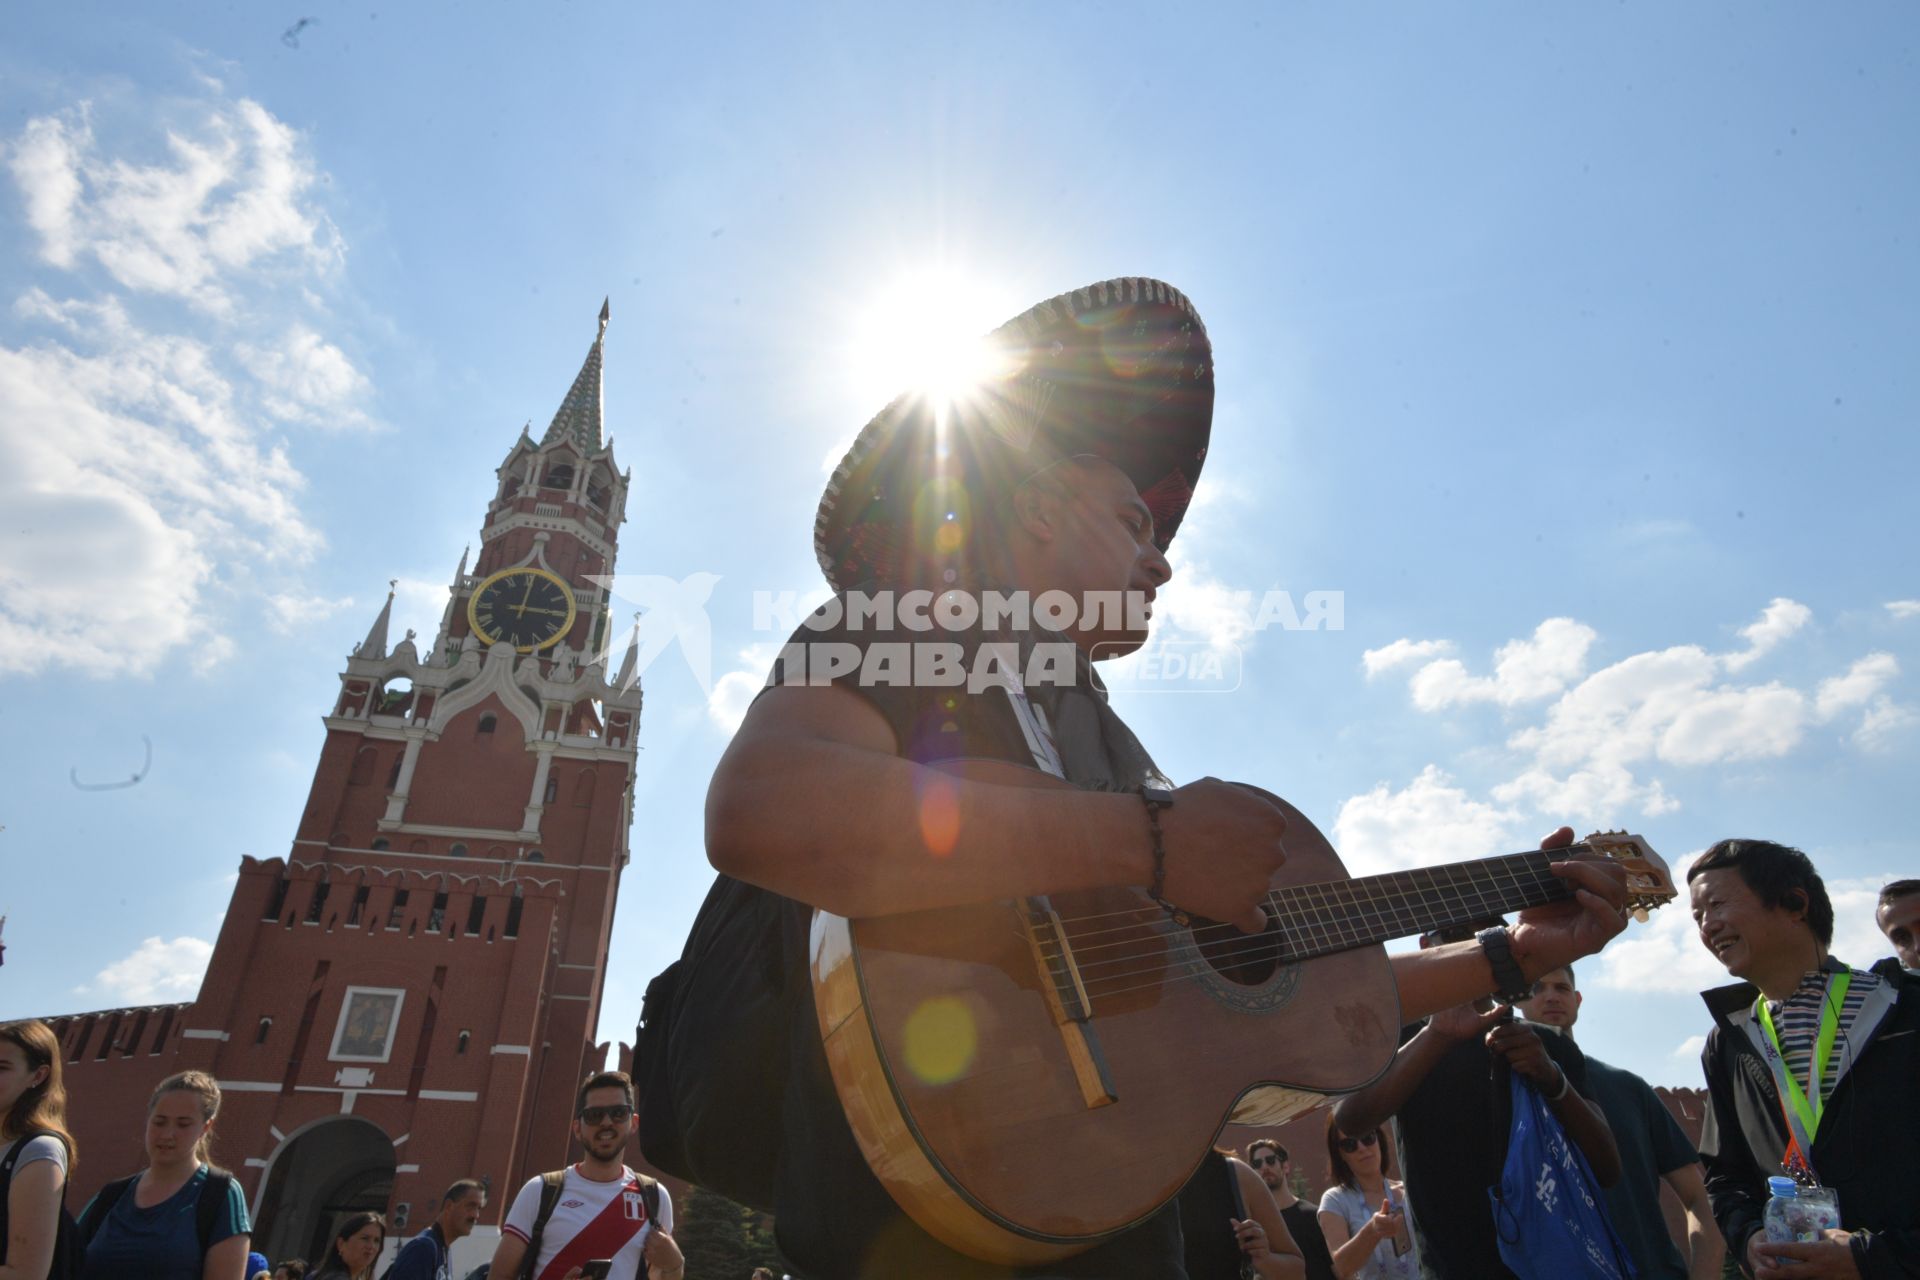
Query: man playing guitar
x=1067, y=472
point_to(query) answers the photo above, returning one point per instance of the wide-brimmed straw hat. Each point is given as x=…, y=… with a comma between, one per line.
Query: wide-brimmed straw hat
x=1121, y=370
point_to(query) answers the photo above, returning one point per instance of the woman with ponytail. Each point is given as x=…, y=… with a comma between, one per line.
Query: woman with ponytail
x=180, y=1218
x=36, y=1151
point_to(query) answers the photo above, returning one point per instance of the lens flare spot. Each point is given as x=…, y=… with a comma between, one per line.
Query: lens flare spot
x=940, y=1040
x=939, y=816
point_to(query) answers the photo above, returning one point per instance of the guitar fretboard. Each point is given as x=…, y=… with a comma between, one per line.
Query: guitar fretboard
x=1339, y=915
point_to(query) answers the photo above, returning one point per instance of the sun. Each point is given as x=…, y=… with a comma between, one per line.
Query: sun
x=922, y=331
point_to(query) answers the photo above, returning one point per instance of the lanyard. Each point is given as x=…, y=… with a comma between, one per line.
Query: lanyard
x=1801, y=1114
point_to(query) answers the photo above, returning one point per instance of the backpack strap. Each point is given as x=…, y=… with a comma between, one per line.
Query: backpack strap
x=206, y=1210
x=650, y=1196
x=102, y=1205
x=550, y=1184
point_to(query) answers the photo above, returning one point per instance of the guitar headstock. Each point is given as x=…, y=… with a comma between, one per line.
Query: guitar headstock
x=1649, y=883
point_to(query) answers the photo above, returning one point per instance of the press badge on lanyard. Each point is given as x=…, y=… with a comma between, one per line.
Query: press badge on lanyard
x=1802, y=1108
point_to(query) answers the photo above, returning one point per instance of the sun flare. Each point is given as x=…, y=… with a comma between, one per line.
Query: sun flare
x=922, y=332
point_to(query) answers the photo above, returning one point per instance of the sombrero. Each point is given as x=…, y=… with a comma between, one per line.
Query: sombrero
x=1121, y=370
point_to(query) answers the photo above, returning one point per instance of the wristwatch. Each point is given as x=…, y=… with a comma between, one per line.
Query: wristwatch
x=1510, y=985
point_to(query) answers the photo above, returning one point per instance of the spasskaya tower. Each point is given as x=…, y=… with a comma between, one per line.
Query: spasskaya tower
x=409, y=995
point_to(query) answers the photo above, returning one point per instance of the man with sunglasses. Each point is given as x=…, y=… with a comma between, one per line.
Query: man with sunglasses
x=598, y=1208
x=1275, y=1167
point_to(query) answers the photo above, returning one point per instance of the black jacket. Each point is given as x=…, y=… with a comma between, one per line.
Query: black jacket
x=1867, y=1147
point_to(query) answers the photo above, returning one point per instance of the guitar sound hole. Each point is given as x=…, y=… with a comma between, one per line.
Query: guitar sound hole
x=1245, y=959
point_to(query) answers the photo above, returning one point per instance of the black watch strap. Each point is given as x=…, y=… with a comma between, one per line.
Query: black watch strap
x=1510, y=985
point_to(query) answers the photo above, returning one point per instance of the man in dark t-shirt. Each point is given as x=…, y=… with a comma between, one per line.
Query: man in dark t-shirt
x=1449, y=1089
x=1055, y=484
x=1275, y=1166
x=1653, y=1148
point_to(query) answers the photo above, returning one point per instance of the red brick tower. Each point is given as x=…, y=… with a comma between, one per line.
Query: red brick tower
x=410, y=996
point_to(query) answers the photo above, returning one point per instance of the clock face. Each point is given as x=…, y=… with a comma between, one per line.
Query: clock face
x=528, y=608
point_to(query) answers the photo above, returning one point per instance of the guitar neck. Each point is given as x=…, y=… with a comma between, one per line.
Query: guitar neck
x=1339, y=915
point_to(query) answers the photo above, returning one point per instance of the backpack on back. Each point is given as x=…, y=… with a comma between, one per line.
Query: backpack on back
x=206, y=1209
x=67, y=1249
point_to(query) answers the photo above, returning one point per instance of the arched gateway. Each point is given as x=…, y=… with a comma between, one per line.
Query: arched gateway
x=321, y=1175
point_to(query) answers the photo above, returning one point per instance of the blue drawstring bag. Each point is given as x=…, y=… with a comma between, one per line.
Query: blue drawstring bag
x=1547, y=1211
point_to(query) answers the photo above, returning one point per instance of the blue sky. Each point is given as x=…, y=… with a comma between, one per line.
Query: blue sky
x=1575, y=349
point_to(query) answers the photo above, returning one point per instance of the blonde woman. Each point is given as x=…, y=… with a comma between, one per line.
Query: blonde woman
x=36, y=1151
x=179, y=1218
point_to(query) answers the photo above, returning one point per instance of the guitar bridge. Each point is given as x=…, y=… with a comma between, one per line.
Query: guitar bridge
x=1072, y=1008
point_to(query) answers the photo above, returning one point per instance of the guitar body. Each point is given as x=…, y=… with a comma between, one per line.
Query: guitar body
x=1016, y=1132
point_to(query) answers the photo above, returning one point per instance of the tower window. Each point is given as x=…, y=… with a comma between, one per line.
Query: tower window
x=260, y=1036
x=398, y=912
x=437, y=917
x=278, y=900
x=560, y=476
x=460, y=1045
x=363, y=766
x=393, y=774
x=360, y=897
x=380, y=843
x=513, y=915
x=476, y=914
x=485, y=727
x=456, y=850
x=553, y=790
x=319, y=902
x=534, y=855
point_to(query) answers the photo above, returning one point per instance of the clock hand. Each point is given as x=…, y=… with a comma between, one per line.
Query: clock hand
x=522, y=606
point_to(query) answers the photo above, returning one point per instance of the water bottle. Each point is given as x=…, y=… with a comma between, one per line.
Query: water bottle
x=1797, y=1214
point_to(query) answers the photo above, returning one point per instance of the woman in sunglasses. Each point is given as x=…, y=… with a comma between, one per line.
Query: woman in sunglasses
x=1364, y=1214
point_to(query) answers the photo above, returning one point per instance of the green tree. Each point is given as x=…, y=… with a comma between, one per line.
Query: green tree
x=711, y=1231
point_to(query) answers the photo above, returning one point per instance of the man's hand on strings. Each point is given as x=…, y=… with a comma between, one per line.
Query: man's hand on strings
x=1555, y=935
x=1223, y=848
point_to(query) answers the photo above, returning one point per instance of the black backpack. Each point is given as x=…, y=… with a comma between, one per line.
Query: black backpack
x=550, y=1184
x=206, y=1210
x=67, y=1248
x=711, y=1055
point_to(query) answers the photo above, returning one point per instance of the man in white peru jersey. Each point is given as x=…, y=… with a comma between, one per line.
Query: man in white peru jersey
x=596, y=1209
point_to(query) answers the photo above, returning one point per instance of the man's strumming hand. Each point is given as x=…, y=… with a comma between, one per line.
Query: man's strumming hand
x=1555, y=935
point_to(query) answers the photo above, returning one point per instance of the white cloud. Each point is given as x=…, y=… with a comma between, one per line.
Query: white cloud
x=157, y=972
x=1591, y=753
x=138, y=471
x=1778, y=621
x=308, y=379
x=130, y=475
x=227, y=198
x=1524, y=670
x=1904, y=608
x=1428, y=821
x=1735, y=724
x=1865, y=678
x=735, y=691
x=1885, y=720
x=1400, y=653
x=1690, y=1048
x=291, y=611
x=1204, y=607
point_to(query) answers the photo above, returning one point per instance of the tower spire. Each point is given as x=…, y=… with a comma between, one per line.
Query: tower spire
x=578, y=419
x=375, y=645
x=624, y=680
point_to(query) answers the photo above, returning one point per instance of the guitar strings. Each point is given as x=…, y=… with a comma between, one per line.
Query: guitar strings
x=1298, y=932
x=1452, y=871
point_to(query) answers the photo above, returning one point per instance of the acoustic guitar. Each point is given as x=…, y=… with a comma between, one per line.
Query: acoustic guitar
x=1030, y=1077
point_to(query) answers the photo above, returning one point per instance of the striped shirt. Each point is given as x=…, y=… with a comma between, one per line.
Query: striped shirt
x=1797, y=1020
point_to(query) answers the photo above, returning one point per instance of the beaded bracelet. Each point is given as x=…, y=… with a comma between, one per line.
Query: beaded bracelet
x=1156, y=799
